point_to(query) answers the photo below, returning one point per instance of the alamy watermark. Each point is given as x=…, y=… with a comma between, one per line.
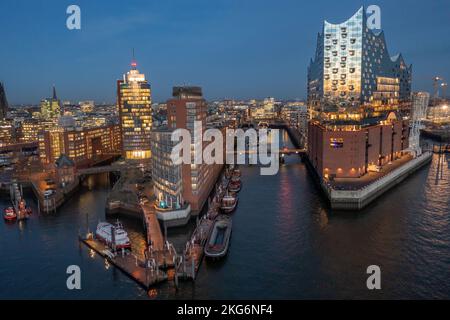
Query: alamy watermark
x=73, y=282
x=373, y=17
x=237, y=147
x=73, y=21
x=374, y=280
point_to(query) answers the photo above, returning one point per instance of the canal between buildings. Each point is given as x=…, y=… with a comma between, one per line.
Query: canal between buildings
x=286, y=244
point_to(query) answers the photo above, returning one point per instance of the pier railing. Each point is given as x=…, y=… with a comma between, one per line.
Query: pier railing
x=378, y=183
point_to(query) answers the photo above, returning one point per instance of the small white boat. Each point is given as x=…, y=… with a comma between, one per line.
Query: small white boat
x=113, y=236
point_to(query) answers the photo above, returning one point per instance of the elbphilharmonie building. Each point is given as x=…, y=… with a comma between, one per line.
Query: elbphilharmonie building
x=353, y=72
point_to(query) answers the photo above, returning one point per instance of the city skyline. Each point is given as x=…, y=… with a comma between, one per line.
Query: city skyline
x=224, y=150
x=271, y=59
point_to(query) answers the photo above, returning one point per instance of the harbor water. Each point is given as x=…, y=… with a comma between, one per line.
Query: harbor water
x=286, y=244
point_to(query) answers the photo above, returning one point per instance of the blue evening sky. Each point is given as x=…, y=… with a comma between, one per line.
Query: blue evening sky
x=232, y=48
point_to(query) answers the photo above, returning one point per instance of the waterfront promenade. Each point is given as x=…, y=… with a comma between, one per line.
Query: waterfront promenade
x=154, y=235
x=357, y=196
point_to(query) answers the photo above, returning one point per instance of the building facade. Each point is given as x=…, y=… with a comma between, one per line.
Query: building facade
x=84, y=146
x=348, y=151
x=358, y=96
x=135, y=112
x=29, y=130
x=3, y=103
x=185, y=108
x=50, y=107
x=297, y=116
x=166, y=176
x=352, y=71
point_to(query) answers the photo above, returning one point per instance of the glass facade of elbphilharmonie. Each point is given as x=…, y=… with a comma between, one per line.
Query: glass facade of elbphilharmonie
x=353, y=71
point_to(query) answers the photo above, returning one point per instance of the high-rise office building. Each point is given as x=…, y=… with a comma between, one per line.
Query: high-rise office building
x=3, y=102
x=51, y=107
x=185, y=108
x=352, y=71
x=134, y=102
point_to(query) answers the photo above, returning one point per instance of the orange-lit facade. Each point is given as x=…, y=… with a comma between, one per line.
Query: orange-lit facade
x=187, y=106
x=347, y=151
x=134, y=102
x=84, y=146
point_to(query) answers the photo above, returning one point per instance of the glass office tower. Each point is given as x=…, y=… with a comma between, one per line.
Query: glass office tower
x=134, y=102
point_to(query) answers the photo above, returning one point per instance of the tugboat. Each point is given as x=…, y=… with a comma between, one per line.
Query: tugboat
x=229, y=203
x=9, y=214
x=219, y=240
x=113, y=236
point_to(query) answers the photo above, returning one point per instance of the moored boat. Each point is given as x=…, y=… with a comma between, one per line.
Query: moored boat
x=236, y=174
x=235, y=186
x=229, y=203
x=113, y=236
x=9, y=214
x=218, y=241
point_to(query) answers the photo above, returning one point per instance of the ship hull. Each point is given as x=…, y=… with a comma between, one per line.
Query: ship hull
x=219, y=239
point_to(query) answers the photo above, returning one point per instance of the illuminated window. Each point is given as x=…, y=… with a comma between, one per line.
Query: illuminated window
x=336, y=143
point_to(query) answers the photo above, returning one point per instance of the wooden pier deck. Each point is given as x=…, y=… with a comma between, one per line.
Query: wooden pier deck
x=145, y=275
x=162, y=252
x=189, y=264
x=154, y=234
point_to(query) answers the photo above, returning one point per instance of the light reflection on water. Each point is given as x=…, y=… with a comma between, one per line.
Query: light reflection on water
x=286, y=243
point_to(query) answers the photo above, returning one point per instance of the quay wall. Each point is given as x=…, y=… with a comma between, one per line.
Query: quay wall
x=358, y=199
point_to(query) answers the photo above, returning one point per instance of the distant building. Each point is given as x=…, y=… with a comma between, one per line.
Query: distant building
x=7, y=132
x=29, y=130
x=84, y=146
x=134, y=102
x=51, y=107
x=87, y=106
x=297, y=116
x=3, y=103
x=352, y=71
x=65, y=170
x=420, y=102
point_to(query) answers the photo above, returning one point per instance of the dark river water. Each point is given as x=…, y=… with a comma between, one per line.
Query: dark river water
x=286, y=244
